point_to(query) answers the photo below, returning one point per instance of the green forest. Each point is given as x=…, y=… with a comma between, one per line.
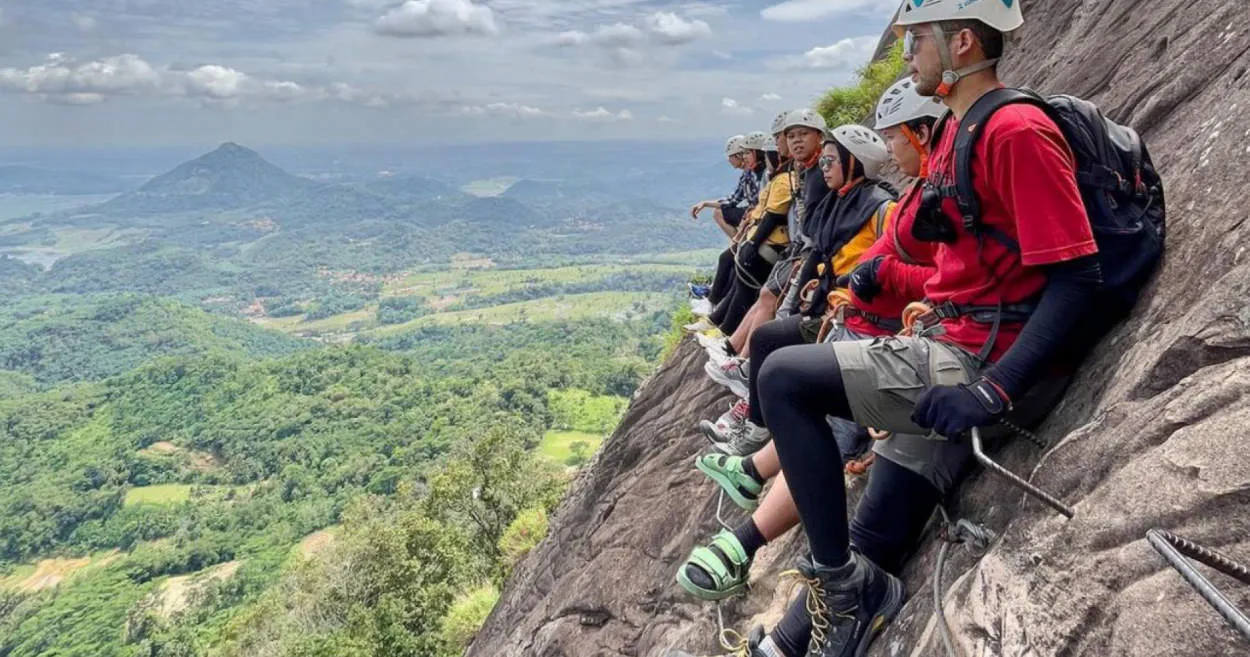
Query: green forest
x=193, y=485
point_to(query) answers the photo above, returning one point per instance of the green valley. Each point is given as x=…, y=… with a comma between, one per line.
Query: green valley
x=246, y=413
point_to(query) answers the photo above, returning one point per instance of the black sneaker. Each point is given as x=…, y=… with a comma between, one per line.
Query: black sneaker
x=850, y=605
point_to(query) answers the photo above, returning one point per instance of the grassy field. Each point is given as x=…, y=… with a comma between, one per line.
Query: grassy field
x=499, y=281
x=13, y=206
x=489, y=186
x=567, y=307
x=160, y=494
x=48, y=573
x=558, y=445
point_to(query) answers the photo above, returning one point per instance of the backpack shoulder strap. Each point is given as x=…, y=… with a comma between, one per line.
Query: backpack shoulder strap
x=970, y=130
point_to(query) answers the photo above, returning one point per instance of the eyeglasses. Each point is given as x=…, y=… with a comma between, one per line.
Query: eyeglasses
x=827, y=162
x=909, y=42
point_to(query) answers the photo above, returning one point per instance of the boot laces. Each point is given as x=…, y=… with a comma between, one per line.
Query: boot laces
x=740, y=410
x=817, y=609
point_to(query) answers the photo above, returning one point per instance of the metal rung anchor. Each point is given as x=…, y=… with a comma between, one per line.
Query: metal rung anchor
x=1174, y=549
x=1053, y=502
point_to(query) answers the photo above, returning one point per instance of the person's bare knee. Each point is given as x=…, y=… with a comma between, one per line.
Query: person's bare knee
x=766, y=461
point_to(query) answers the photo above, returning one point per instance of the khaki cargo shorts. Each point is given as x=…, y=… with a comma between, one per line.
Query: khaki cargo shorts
x=884, y=377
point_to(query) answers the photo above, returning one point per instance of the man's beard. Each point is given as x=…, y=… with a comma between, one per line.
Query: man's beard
x=927, y=86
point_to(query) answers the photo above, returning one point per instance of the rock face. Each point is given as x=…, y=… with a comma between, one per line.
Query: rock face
x=1154, y=433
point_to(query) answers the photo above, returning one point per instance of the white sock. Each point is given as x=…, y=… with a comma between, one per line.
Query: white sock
x=770, y=649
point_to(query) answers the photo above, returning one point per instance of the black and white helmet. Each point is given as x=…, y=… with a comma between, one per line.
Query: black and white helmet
x=760, y=141
x=901, y=104
x=736, y=145
x=865, y=145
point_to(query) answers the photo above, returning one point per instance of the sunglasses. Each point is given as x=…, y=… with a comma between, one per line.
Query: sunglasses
x=827, y=162
x=909, y=42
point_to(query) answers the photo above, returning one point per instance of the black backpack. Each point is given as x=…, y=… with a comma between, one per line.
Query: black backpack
x=1119, y=185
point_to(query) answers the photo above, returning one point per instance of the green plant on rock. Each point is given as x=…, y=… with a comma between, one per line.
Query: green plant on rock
x=854, y=102
x=523, y=535
x=466, y=616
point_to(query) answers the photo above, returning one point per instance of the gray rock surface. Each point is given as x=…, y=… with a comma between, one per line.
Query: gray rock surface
x=1155, y=432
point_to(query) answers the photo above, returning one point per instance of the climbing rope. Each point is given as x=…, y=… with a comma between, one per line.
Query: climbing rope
x=729, y=638
x=1174, y=549
x=720, y=504
x=976, y=538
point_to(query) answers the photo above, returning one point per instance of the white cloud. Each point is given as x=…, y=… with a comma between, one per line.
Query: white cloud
x=428, y=18
x=846, y=54
x=83, y=22
x=63, y=79
x=603, y=115
x=671, y=29
x=733, y=108
x=215, y=82
x=617, y=35
x=770, y=98
x=664, y=119
x=572, y=38
x=77, y=99
x=514, y=110
x=806, y=10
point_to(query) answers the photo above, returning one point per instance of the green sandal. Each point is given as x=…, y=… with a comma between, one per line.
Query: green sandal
x=725, y=563
x=727, y=472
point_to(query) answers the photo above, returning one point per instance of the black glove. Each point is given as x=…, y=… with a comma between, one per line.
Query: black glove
x=863, y=279
x=953, y=410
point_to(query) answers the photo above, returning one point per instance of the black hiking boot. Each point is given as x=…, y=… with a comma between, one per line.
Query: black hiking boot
x=849, y=605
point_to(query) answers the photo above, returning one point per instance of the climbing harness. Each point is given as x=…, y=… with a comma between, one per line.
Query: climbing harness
x=1174, y=549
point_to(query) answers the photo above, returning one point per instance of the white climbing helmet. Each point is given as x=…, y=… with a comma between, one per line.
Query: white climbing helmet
x=865, y=145
x=901, y=104
x=736, y=145
x=760, y=141
x=779, y=123
x=1002, y=15
x=806, y=118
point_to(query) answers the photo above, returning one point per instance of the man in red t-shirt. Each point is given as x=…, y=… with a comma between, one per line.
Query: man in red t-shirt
x=966, y=371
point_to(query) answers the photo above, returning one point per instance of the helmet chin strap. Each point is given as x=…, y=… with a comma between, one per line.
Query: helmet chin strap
x=950, y=75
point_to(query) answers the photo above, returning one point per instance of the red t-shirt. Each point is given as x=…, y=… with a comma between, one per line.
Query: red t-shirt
x=901, y=282
x=1025, y=177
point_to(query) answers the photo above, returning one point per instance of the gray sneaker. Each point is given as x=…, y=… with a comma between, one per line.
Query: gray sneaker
x=733, y=373
x=744, y=439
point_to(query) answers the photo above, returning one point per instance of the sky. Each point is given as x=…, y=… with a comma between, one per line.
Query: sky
x=144, y=73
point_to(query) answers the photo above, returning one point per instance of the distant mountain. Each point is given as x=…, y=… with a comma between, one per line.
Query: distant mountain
x=413, y=190
x=16, y=179
x=230, y=177
x=496, y=210
x=551, y=191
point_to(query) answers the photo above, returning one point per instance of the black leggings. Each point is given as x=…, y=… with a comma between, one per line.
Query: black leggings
x=888, y=523
x=766, y=339
x=724, y=277
x=796, y=388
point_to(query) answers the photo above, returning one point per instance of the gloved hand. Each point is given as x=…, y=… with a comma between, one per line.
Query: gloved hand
x=863, y=279
x=953, y=410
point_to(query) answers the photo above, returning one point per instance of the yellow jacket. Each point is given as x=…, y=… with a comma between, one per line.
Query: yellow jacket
x=775, y=198
x=848, y=256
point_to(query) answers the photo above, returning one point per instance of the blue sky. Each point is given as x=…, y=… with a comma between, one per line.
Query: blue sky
x=155, y=72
